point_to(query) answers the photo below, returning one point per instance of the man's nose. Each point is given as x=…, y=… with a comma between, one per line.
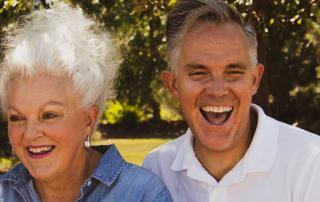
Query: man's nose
x=217, y=87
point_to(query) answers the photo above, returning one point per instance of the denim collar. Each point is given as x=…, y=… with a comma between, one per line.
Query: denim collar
x=107, y=171
x=19, y=175
x=110, y=165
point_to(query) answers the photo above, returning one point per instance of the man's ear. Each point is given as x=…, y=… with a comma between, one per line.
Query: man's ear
x=91, y=118
x=257, y=75
x=168, y=78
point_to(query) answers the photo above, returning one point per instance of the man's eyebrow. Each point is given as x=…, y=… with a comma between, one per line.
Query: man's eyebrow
x=193, y=66
x=237, y=66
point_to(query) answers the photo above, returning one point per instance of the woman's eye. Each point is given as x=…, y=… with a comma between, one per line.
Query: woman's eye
x=49, y=116
x=15, y=118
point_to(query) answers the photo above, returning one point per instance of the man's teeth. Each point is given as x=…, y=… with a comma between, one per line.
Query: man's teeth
x=217, y=109
x=40, y=149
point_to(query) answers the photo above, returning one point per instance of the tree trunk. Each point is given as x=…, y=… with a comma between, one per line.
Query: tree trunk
x=155, y=111
x=262, y=96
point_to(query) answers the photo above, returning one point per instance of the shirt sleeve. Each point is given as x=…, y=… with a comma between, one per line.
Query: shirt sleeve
x=308, y=182
x=163, y=196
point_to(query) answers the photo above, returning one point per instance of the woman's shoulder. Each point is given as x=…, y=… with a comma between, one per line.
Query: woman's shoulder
x=128, y=181
x=140, y=174
x=143, y=179
x=9, y=181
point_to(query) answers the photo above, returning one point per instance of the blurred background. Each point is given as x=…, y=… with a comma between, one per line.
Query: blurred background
x=143, y=115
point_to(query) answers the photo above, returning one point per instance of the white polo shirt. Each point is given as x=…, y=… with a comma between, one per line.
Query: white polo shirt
x=282, y=164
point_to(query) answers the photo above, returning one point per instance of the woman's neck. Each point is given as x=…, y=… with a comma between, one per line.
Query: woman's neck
x=67, y=187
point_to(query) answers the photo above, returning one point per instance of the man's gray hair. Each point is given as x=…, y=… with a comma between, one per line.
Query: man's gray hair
x=189, y=12
x=61, y=42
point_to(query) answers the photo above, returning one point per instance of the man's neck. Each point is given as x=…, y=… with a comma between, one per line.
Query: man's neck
x=219, y=163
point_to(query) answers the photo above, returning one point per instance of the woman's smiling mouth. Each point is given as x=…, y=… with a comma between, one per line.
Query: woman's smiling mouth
x=40, y=151
x=216, y=115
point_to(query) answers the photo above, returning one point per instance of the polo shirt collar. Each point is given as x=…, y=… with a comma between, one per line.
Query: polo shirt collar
x=187, y=160
x=185, y=155
x=263, y=148
x=19, y=175
x=258, y=158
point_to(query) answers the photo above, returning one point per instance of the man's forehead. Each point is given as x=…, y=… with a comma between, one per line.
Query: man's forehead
x=214, y=29
x=215, y=44
x=198, y=66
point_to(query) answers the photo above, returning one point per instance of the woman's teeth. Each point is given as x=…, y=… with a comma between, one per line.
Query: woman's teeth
x=40, y=150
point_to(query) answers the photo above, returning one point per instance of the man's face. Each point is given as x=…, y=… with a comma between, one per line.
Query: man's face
x=214, y=83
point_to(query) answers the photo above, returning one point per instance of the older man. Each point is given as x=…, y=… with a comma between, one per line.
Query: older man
x=232, y=152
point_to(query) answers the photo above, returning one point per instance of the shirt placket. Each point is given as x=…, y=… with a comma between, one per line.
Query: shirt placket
x=84, y=189
x=218, y=194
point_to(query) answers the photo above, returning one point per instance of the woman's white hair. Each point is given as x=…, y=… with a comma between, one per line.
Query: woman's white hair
x=61, y=42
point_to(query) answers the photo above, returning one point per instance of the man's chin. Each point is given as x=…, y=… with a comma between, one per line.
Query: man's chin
x=215, y=141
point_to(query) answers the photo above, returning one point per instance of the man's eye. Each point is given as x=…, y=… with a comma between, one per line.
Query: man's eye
x=16, y=118
x=235, y=72
x=197, y=73
x=49, y=116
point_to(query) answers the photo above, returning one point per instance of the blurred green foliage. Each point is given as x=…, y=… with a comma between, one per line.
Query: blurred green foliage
x=140, y=28
x=123, y=113
x=126, y=114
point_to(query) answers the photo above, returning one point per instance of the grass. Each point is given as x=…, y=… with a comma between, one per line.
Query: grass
x=134, y=150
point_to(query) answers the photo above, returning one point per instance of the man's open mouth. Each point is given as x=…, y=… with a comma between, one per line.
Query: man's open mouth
x=216, y=115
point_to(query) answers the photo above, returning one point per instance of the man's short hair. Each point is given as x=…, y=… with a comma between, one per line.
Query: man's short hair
x=189, y=12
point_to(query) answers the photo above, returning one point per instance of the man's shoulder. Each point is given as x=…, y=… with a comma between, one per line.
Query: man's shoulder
x=168, y=149
x=289, y=136
x=297, y=139
x=297, y=134
x=163, y=155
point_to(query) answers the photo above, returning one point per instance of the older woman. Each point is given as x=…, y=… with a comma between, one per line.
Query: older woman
x=56, y=75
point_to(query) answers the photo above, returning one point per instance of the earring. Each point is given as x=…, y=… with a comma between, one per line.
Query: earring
x=12, y=152
x=87, y=143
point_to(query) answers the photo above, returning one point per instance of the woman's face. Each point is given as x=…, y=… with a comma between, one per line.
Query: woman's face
x=46, y=126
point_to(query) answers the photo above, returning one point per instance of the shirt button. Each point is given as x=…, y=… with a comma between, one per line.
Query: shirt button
x=89, y=182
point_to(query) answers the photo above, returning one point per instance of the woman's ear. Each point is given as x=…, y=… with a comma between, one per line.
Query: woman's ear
x=91, y=119
x=168, y=78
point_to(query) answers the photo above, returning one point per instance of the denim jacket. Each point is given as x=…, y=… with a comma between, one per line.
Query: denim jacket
x=113, y=180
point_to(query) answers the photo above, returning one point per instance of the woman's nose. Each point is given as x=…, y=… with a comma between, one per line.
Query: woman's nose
x=32, y=129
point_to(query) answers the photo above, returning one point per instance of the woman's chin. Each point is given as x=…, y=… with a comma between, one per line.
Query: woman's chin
x=42, y=173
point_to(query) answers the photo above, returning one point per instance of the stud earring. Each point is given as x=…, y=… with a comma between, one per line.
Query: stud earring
x=87, y=143
x=12, y=153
